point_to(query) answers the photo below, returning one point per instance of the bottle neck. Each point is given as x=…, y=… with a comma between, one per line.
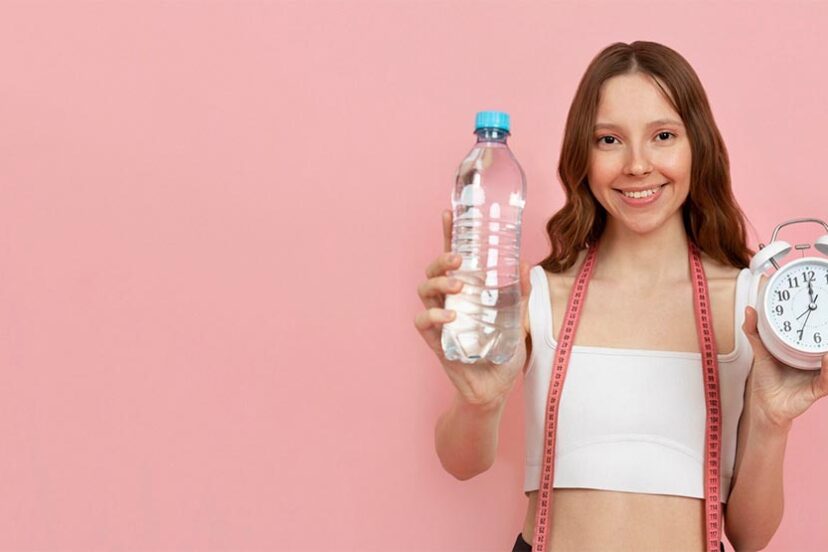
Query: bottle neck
x=491, y=135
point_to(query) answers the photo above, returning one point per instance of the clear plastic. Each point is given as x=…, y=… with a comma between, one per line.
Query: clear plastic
x=487, y=203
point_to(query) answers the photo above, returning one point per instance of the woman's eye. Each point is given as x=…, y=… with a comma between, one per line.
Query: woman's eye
x=611, y=140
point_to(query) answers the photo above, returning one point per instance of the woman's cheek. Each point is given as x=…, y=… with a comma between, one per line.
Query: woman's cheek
x=677, y=159
x=604, y=170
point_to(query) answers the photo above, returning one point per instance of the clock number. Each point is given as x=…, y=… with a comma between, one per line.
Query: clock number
x=793, y=283
x=779, y=310
x=817, y=338
x=787, y=326
x=784, y=295
x=808, y=275
x=800, y=332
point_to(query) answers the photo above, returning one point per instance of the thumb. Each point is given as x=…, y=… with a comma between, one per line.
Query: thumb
x=749, y=326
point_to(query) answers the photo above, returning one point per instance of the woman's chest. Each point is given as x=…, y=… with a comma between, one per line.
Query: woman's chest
x=661, y=319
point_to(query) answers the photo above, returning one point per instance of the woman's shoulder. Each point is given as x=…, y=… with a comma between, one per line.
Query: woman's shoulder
x=569, y=272
x=716, y=270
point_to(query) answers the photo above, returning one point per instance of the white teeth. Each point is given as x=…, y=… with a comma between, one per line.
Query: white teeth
x=638, y=195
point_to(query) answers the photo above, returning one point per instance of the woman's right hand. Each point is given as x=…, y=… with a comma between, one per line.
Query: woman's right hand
x=483, y=383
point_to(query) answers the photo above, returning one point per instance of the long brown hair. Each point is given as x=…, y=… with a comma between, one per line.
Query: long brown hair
x=713, y=220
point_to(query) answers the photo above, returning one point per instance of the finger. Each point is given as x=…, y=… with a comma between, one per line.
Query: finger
x=447, y=216
x=751, y=331
x=430, y=325
x=433, y=291
x=441, y=265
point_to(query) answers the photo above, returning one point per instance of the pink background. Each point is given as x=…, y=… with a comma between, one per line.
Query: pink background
x=213, y=221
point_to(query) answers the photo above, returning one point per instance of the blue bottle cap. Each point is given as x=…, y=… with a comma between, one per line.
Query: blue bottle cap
x=492, y=119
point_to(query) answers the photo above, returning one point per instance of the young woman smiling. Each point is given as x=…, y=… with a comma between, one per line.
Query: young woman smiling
x=646, y=174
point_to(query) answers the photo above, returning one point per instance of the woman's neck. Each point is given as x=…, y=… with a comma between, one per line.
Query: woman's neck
x=656, y=258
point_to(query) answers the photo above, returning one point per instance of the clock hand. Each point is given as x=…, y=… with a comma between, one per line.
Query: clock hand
x=813, y=302
x=806, y=321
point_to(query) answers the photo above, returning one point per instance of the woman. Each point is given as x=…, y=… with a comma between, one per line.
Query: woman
x=646, y=175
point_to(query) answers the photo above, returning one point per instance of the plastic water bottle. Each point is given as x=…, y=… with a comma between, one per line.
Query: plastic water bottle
x=487, y=202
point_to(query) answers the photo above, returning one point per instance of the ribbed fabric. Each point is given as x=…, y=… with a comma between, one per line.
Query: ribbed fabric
x=631, y=419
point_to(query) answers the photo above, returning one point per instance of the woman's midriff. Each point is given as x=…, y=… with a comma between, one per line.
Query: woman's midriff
x=593, y=519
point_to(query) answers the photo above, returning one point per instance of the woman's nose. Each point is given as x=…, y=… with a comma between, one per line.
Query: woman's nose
x=638, y=162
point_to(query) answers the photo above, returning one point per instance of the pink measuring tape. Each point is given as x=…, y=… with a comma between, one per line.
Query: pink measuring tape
x=710, y=372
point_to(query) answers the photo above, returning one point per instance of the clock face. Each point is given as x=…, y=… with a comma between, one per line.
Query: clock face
x=796, y=304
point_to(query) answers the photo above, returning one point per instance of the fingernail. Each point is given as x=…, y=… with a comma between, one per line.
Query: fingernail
x=448, y=314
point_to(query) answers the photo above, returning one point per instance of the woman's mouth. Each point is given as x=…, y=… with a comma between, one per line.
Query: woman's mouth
x=642, y=198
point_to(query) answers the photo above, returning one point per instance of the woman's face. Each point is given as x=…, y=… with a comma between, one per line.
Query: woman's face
x=639, y=143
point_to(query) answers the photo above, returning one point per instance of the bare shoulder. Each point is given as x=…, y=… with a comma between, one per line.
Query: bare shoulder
x=718, y=272
x=566, y=278
x=715, y=270
x=558, y=284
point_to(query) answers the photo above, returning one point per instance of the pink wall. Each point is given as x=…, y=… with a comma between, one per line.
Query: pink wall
x=213, y=220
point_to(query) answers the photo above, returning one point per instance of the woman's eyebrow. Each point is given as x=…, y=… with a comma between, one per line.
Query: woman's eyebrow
x=657, y=122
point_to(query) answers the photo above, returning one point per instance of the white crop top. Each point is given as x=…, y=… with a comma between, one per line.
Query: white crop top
x=631, y=419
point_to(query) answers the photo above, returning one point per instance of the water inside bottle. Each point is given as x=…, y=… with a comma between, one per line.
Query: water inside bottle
x=488, y=203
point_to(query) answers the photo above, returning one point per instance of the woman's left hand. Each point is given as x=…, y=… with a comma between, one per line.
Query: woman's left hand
x=779, y=392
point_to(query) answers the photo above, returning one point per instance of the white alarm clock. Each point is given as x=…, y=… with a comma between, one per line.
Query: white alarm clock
x=793, y=308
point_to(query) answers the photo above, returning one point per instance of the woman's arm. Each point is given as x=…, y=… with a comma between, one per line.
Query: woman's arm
x=775, y=394
x=755, y=505
x=466, y=437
